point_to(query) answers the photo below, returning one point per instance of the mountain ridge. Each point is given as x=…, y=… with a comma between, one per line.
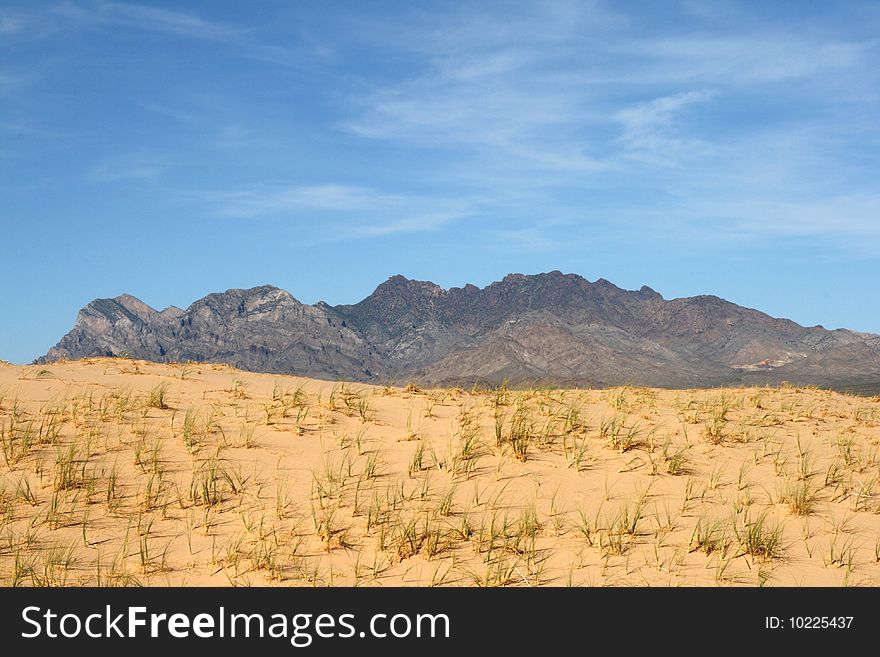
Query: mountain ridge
x=549, y=328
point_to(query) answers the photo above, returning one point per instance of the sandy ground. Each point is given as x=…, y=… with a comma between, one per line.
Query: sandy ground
x=120, y=472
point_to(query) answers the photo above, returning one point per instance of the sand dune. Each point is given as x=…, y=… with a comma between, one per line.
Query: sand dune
x=121, y=472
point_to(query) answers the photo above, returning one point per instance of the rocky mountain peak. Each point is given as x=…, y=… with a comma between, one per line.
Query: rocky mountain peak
x=134, y=304
x=649, y=293
x=400, y=286
x=526, y=328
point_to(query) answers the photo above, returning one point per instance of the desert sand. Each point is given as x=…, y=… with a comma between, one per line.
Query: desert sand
x=122, y=472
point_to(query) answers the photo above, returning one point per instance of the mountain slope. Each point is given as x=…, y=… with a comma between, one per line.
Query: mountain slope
x=262, y=329
x=545, y=328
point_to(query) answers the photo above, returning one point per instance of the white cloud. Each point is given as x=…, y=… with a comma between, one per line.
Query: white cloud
x=543, y=88
x=490, y=83
x=167, y=20
x=843, y=218
x=649, y=130
x=341, y=211
x=266, y=201
x=175, y=23
x=750, y=58
x=143, y=17
x=412, y=223
x=134, y=167
x=543, y=99
x=549, y=109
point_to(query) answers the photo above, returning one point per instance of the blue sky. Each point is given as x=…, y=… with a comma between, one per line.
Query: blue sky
x=169, y=150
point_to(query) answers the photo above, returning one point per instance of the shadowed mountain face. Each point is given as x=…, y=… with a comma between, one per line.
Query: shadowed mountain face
x=548, y=328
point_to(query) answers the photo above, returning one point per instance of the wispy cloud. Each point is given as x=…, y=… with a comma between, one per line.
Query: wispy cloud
x=134, y=167
x=759, y=57
x=846, y=218
x=29, y=129
x=259, y=202
x=341, y=211
x=173, y=23
x=421, y=220
x=649, y=130
x=487, y=84
x=549, y=90
x=579, y=98
x=543, y=237
x=181, y=115
x=168, y=21
x=514, y=114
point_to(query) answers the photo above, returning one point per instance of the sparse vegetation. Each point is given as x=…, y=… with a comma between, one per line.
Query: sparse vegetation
x=274, y=479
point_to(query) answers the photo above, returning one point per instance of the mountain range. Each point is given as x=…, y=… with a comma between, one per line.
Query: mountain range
x=550, y=328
